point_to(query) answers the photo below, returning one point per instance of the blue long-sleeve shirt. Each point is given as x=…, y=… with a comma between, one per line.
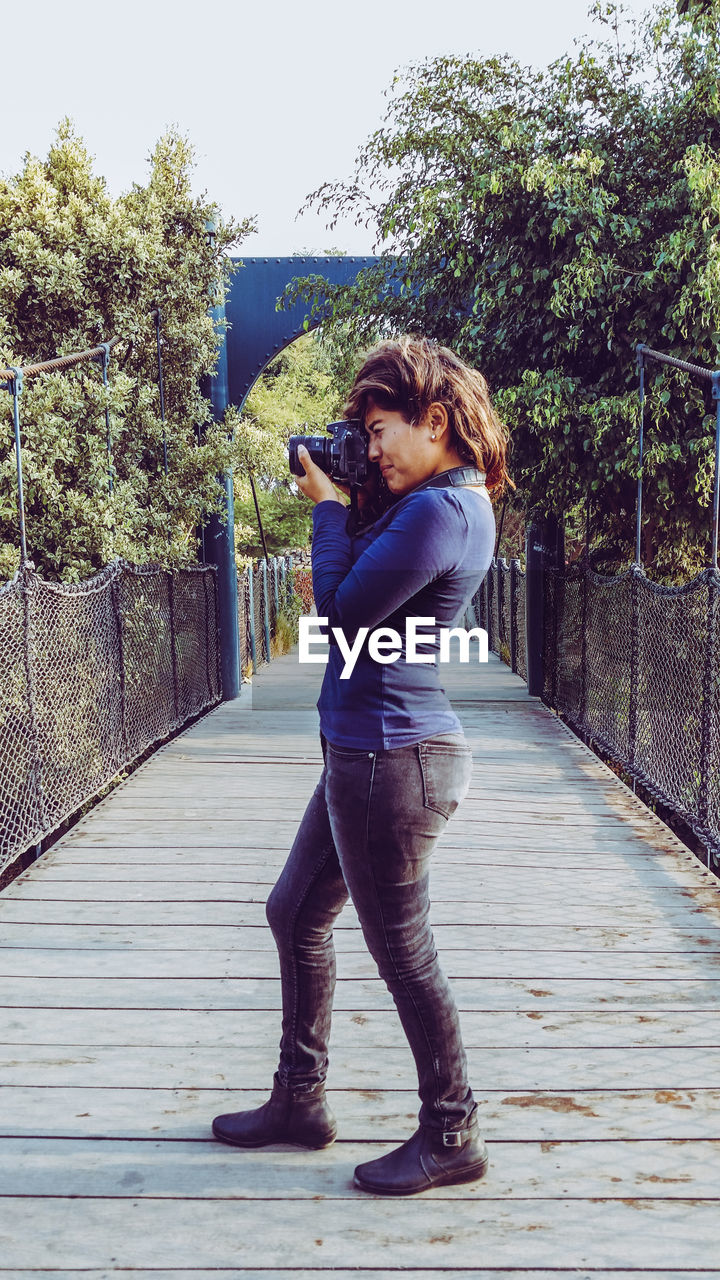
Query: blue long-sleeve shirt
x=425, y=557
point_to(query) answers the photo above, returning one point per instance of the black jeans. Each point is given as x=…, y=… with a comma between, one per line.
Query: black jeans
x=368, y=833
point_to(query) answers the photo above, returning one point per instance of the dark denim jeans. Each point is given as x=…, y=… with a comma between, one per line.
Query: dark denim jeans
x=368, y=833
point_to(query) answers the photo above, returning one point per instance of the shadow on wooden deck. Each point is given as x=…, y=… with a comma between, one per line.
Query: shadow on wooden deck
x=139, y=989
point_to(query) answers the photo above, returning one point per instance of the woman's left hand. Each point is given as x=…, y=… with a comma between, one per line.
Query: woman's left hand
x=315, y=484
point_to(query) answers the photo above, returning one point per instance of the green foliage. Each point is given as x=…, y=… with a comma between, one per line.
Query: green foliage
x=543, y=222
x=77, y=267
x=286, y=520
x=299, y=393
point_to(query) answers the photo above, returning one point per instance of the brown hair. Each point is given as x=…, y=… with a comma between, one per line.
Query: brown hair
x=409, y=374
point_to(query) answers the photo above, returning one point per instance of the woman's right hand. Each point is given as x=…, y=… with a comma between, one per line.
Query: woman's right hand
x=367, y=492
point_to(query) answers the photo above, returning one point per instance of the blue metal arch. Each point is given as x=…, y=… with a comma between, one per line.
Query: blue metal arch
x=257, y=331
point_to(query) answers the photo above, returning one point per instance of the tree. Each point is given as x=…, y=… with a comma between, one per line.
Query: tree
x=543, y=222
x=77, y=267
x=299, y=392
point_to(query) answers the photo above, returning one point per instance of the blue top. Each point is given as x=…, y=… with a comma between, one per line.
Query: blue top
x=425, y=557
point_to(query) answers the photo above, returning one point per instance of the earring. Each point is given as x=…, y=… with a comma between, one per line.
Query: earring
x=432, y=437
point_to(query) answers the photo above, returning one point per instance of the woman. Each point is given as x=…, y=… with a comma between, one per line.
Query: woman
x=396, y=762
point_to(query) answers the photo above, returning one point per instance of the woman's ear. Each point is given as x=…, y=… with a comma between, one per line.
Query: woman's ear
x=437, y=420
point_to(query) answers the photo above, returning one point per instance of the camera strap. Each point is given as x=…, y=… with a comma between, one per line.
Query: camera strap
x=455, y=478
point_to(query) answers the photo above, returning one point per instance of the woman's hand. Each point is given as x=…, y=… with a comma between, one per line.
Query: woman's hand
x=367, y=492
x=315, y=484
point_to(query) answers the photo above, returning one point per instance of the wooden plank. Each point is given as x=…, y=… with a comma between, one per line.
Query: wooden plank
x=450, y=852
x=422, y=1233
x=472, y=865
x=173, y=800
x=246, y=771
x=661, y=914
x=519, y=817
x=469, y=894
x=242, y=1273
x=495, y=993
x=207, y=1171
x=251, y=961
x=231, y=833
x=247, y=778
x=72, y=936
x=514, y=1069
x=448, y=884
x=371, y=1030
x=382, y=1115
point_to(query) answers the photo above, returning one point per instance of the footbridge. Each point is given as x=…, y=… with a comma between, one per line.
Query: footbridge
x=139, y=985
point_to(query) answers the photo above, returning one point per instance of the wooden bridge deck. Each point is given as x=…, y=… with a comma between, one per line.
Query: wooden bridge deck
x=139, y=997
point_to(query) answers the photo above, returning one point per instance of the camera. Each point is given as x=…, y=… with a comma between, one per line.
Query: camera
x=344, y=457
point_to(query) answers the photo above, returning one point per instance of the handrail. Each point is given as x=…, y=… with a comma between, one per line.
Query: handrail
x=661, y=358
x=66, y=362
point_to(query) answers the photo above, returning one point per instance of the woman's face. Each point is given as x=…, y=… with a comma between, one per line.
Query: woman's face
x=406, y=454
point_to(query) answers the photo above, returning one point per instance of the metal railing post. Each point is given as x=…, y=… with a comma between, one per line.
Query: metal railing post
x=707, y=746
x=173, y=644
x=26, y=576
x=537, y=557
x=15, y=387
x=500, y=604
x=105, y=360
x=266, y=610
x=513, y=613
x=638, y=513
x=716, y=487
x=251, y=615
x=636, y=572
x=208, y=671
x=117, y=615
x=583, y=641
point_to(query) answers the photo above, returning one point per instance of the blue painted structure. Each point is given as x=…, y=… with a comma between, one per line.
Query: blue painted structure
x=257, y=332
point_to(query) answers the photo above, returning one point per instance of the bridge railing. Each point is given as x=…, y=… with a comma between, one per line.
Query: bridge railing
x=499, y=607
x=268, y=589
x=634, y=668
x=93, y=674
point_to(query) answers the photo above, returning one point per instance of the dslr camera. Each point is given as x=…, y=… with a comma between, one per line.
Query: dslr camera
x=344, y=457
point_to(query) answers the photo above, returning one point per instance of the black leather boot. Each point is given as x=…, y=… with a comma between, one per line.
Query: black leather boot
x=302, y=1118
x=430, y=1158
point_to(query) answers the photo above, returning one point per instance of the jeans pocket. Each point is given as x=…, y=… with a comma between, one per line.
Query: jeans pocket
x=349, y=753
x=446, y=770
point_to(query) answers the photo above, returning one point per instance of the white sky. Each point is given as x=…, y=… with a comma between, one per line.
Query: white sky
x=275, y=95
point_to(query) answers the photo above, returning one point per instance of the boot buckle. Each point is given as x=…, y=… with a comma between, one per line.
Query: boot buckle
x=454, y=1139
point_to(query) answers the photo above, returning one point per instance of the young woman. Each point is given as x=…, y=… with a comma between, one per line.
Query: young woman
x=396, y=762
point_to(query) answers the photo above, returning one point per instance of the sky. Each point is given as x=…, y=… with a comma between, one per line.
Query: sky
x=275, y=97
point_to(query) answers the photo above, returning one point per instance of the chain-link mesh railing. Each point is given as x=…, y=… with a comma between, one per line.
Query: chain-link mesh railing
x=268, y=590
x=94, y=673
x=635, y=667
x=499, y=607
